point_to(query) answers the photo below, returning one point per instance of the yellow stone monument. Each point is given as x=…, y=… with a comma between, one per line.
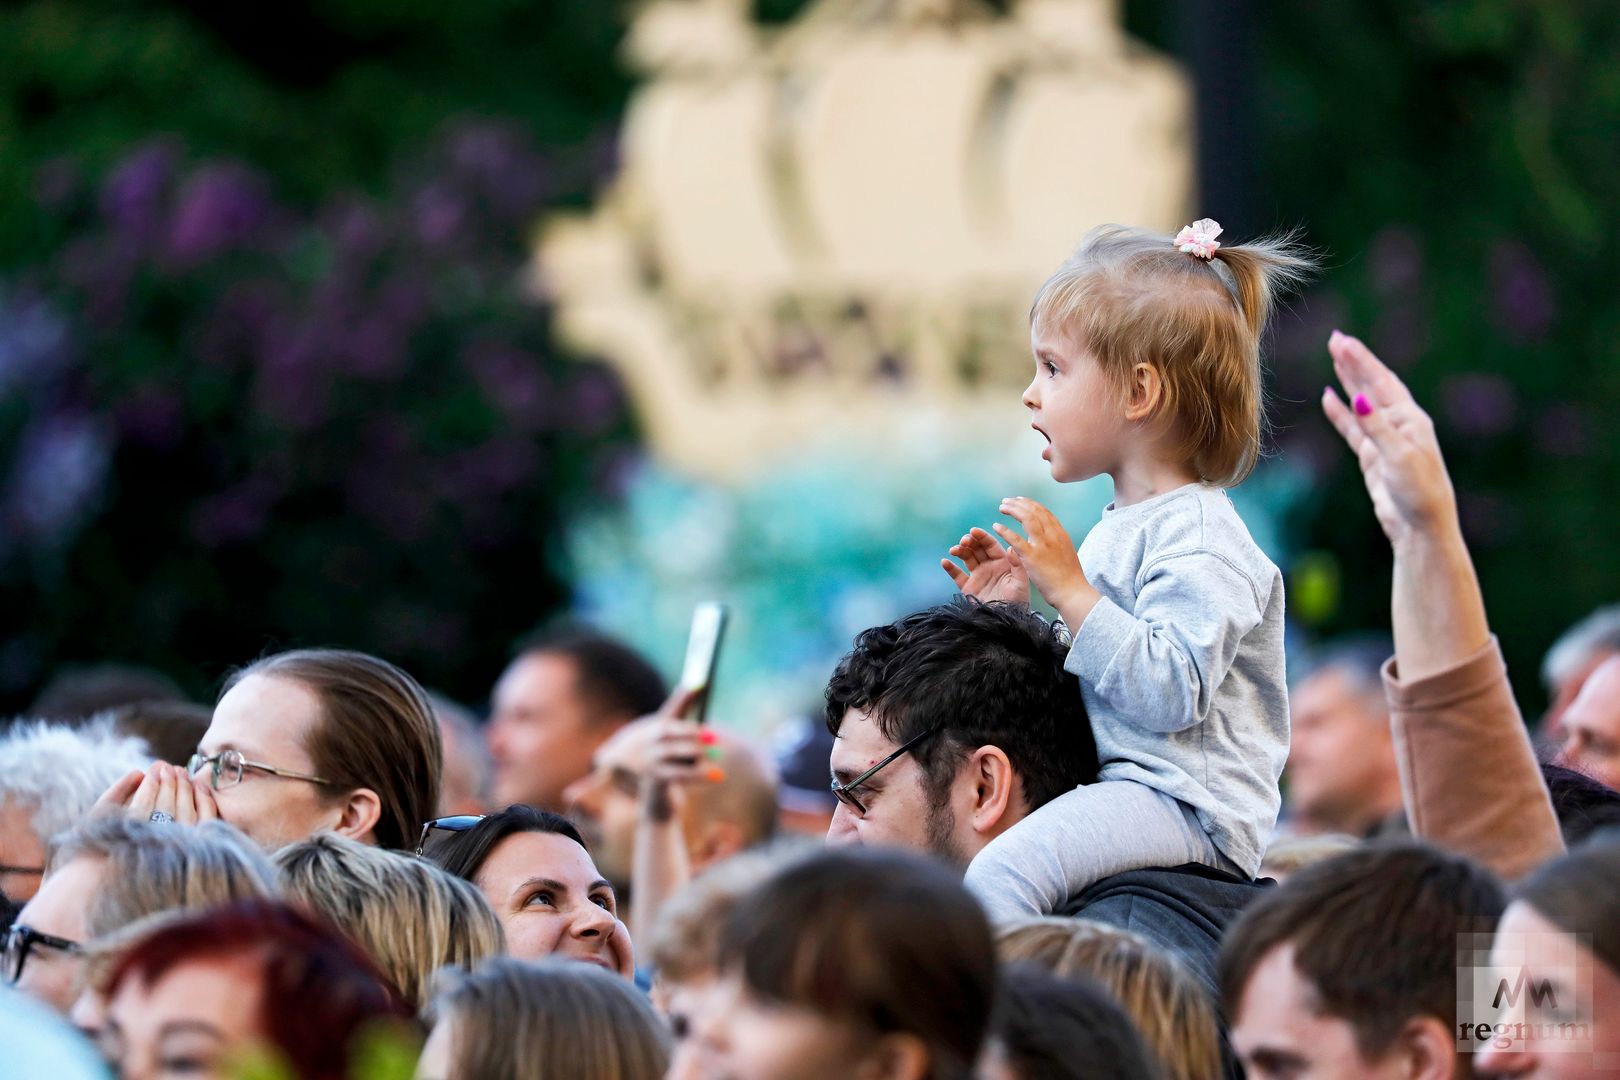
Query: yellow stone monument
x=832, y=230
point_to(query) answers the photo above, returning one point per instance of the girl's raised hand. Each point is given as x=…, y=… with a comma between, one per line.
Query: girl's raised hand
x=1393, y=440
x=993, y=572
x=1048, y=555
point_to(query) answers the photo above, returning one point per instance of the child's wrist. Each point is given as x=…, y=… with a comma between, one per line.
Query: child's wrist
x=1075, y=603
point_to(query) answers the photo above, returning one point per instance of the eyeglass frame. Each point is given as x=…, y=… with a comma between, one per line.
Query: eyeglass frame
x=30, y=937
x=199, y=760
x=845, y=793
x=463, y=822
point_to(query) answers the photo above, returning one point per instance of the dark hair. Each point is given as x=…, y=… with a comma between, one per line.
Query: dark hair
x=885, y=940
x=377, y=731
x=1577, y=893
x=1052, y=1028
x=463, y=853
x=613, y=677
x=319, y=991
x=1584, y=805
x=985, y=674
x=79, y=691
x=171, y=728
x=1375, y=933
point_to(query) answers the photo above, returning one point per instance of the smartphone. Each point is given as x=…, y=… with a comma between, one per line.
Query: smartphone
x=702, y=653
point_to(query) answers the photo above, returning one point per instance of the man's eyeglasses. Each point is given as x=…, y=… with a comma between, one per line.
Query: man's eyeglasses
x=19, y=941
x=455, y=823
x=846, y=792
x=228, y=766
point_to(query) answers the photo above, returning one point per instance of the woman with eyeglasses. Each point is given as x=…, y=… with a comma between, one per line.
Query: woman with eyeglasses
x=854, y=962
x=301, y=742
x=535, y=871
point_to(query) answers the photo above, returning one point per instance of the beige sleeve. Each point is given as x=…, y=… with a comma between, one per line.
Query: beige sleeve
x=1469, y=776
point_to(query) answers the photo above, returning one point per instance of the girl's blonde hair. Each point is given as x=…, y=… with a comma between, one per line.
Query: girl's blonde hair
x=409, y=916
x=1172, y=1011
x=1130, y=296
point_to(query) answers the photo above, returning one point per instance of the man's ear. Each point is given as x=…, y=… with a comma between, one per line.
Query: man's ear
x=995, y=789
x=1426, y=1049
x=896, y=1057
x=359, y=812
x=1144, y=394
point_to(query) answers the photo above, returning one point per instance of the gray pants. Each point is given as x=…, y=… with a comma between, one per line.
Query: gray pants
x=1081, y=837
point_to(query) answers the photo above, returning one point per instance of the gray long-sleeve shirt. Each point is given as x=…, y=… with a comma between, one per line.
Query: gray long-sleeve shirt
x=1181, y=662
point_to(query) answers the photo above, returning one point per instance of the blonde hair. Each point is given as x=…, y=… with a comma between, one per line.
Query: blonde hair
x=1172, y=1011
x=1287, y=857
x=519, y=1020
x=153, y=868
x=1130, y=296
x=409, y=916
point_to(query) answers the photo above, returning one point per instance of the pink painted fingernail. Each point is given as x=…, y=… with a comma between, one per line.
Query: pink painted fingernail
x=1363, y=407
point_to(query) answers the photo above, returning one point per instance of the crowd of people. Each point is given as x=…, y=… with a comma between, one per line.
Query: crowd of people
x=1012, y=847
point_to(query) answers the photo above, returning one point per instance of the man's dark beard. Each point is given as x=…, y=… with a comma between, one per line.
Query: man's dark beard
x=942, y=822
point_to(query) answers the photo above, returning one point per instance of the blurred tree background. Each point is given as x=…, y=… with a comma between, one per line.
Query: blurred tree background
x=267, y=378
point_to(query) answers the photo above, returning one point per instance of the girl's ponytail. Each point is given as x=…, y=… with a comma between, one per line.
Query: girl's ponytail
x=1262, y=270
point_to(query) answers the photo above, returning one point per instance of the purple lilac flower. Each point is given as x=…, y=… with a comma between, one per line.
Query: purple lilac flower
x=34, y=343
x=1480, y=404
x=440, y=216
x=58, y=475
x=512, y=380
x=220, y=207
x=1524, y=304
x=133, y=195
x=236, y=514
x=1395, y=262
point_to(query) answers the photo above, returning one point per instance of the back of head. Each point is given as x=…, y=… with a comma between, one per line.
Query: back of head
x=1575, y=649
x=887, y=941
x=171, y=728
x=1374, y=932
x=618, y=682
x=154, y=868
x=1131, y=296
x=79, y=691
x=409, y=916
x=1577, y=892
x=1054, y=1028
x=462, y=852
x=984, y=674
x=319, y=996
x=516, y=1020
x=469, y=771
x=743, y=800
x=1584, y=805
x=377, y=731
x=57, y=772
x=1170, y=1009
x=686, y=939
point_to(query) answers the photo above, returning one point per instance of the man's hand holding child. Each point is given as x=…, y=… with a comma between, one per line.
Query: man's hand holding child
x=1048, y=556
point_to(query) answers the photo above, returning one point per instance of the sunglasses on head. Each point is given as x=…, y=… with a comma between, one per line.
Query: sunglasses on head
x=455, y=823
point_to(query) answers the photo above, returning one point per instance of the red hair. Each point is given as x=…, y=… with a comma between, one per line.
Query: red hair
x=318, y=990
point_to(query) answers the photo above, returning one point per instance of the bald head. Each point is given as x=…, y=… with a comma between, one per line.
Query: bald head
x=1592, y=726
x=733, y=810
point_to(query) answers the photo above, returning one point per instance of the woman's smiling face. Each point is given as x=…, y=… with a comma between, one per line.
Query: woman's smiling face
x=551, y=900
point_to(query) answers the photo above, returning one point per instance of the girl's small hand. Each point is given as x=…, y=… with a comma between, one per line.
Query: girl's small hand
x=1049, y=557
x=993, y=572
